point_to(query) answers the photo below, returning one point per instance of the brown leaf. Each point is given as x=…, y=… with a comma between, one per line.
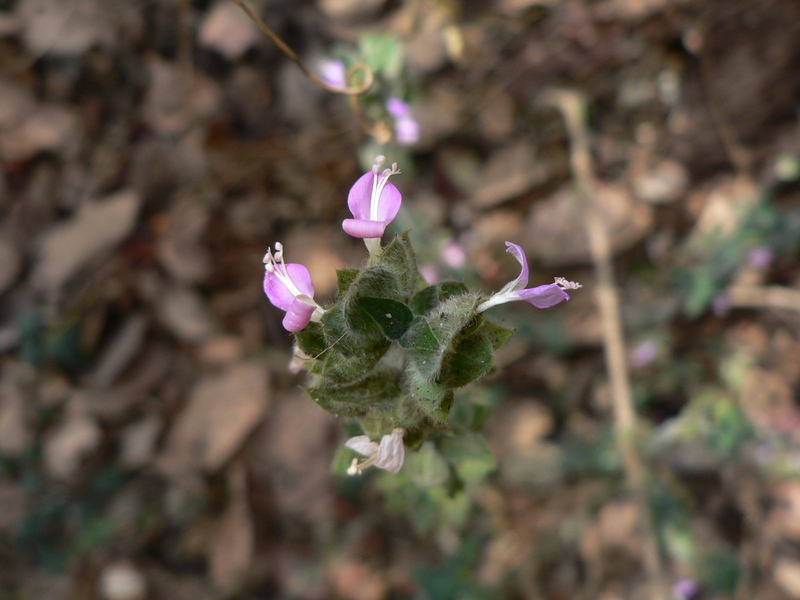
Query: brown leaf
x=228, y=30
x=71, y=442
x=221, y=413
x=92, y=232
x=234, y=543
x=555, y=227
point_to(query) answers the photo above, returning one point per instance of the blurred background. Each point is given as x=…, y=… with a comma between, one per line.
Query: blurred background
x=154, y=443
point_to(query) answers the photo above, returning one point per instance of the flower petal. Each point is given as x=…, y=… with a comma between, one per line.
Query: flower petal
x=360, y=196
x=279, y=293
x=522, y=280
x=398, y=108
x=363, y=228
x=543, y=296
x=300, y=278
x=406, y=130
x=391, y=452
x=299, y=313
x=363, y=445
x=389, y=203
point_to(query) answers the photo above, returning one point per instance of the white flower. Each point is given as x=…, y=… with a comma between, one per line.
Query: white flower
x=389, y=454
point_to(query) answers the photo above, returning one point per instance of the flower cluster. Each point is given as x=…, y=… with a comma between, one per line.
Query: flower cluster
x=391, y=350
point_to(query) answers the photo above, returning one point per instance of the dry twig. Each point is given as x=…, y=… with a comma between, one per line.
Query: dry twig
x=572, y=107
x=369, y=76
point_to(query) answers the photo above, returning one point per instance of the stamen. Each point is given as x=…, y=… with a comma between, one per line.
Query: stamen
x=357, y=467
x=567, y=285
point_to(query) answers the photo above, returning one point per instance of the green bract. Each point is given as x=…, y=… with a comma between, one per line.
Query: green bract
x=391, y=350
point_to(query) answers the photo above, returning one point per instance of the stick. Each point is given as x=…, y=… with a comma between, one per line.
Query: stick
x=353, y=91
x=571, y=105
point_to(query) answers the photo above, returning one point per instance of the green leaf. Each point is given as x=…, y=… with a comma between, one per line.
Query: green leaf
x=380, y=388
x=433, y=398
x=472, y=359
x=355, y=334
x=431, y=337
x=311, y=339
x=399, y=259
x=392, y=316
x=495, y=334
x=345, y=279
x=431, y=296
x=383, y=53
x=423, y=346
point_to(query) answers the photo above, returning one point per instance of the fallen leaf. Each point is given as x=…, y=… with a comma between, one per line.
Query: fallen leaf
x=47, y=128
x=228, y=30
x=66, y=28
x=91, y=233
x=555, y=231
x=510, y=172
x=294, y=453
x=222, y=411
x=70, y=443
x=185, y=314
x=234, y=543
x=122, y=581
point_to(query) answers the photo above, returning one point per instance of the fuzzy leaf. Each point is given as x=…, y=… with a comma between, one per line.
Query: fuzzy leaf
x=431, y=296
x=345, y=278
x=497, y=335
x=392, y=316
x=472, y=359
x=399, y=259
x=433, y=398
x=311, y=340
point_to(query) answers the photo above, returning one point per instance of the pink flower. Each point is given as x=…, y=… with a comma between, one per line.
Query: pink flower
x=543, y=296
x=389, y=454
x=289, y=287
x=333, y=72
x=406, y=128
x=374, y=203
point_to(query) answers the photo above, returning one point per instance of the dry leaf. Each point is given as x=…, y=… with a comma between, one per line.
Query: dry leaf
x=67, y=27
x=234, y=543
x=228, y=30
x=70, y=443
x=47, y=128
x=294, y=443
x=222, y=411
x=509, y=173
x=91, y=233
x=555, y=229
x=15, y=435
x=122, y=581
x=185, y=314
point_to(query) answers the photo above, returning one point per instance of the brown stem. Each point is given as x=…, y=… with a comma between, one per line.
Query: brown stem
x=571, y=105
x=369, y=76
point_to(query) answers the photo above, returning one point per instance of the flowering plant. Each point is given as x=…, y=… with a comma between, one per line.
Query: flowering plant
x=391, y=350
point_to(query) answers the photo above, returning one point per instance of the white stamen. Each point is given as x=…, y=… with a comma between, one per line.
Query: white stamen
x=567, y=285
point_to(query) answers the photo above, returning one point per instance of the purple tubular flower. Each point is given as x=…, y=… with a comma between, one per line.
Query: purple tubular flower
x=289, y=287
x=374, y=203
x=543, y=296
